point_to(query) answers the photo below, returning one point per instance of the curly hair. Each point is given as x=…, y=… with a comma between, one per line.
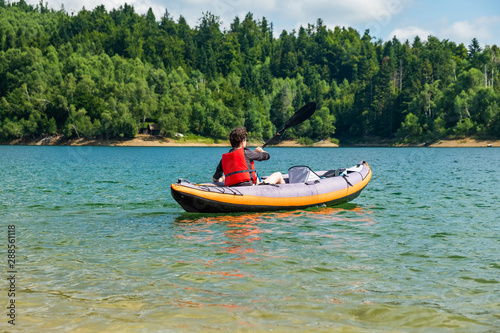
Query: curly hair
x=237, y=136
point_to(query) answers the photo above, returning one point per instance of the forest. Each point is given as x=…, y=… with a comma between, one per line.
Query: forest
x=108, y=74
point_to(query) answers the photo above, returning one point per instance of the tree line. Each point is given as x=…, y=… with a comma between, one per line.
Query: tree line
x=107, y=74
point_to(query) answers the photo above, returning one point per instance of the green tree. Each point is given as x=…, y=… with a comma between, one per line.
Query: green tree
x=108, y=73
x=410, y=129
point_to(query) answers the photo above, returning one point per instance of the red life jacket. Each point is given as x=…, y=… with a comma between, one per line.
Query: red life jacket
x=236, y=169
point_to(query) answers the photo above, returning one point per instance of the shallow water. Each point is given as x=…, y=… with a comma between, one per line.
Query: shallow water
x=102, y=246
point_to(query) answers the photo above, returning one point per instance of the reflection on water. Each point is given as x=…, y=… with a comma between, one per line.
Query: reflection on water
x=245, y=260
x=242, y=232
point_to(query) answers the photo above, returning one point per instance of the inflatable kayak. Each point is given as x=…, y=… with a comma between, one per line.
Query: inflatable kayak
x=304, y=188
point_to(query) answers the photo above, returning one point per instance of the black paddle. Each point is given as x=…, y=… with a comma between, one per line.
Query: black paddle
x=298, y=118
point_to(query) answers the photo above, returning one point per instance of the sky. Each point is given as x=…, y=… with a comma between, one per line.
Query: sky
x=458, y=20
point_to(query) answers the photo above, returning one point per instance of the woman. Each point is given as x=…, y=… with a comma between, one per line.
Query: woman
x=237, y=166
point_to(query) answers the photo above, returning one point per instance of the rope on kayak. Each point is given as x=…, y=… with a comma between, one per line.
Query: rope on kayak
x=345, y=178
x=204, y=188
x=233, y=190
x=221, y=190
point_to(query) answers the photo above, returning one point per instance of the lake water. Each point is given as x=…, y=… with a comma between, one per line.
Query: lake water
x=102, y=246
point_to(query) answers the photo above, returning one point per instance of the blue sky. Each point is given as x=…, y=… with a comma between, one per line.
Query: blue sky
x=457, y=20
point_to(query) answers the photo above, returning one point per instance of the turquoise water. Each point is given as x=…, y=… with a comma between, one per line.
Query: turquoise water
x=102, y=246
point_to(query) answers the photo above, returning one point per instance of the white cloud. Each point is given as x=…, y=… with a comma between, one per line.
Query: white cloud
x=409, y=33
x=484, y=28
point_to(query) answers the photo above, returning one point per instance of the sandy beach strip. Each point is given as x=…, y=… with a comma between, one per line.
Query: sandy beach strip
x=153, y=141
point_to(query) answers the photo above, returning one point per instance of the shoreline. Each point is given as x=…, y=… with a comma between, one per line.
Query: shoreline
x=153, y=141
x=142, y=140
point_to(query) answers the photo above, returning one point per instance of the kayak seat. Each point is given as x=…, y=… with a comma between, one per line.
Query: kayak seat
x=301, y=174
x=334, y=173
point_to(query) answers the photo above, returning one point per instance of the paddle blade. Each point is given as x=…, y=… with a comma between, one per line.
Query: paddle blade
x=300, y=116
